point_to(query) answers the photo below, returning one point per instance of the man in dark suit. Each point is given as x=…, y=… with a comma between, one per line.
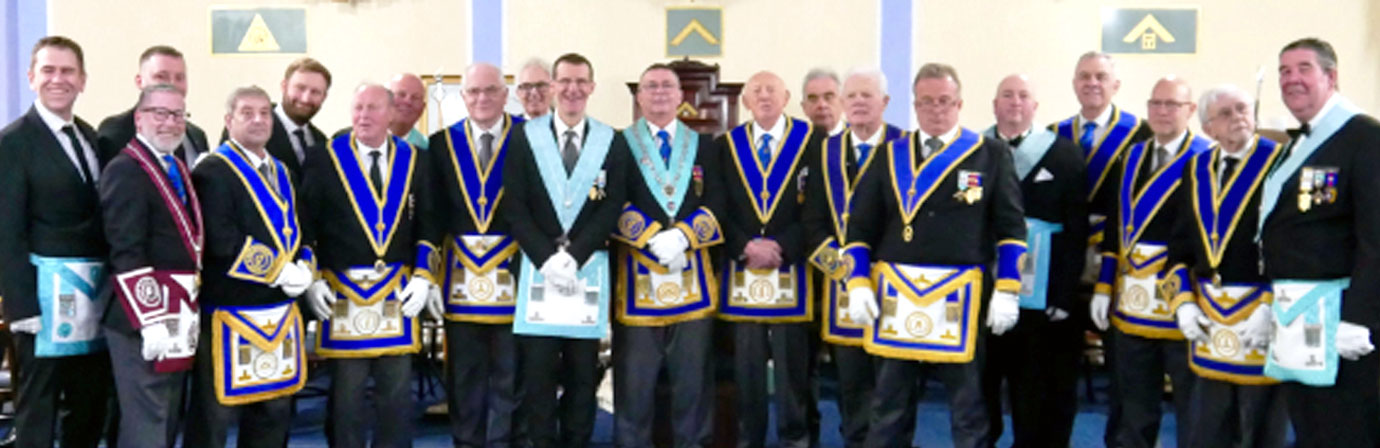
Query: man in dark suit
x=159, y=64
x=666, y=293
x=153, y=223
x=305, y=83
x=478, y=288
x=838, y=166
x=251, y=329
x=534, y=89
x=767, y=293
x=1320, y=225
x=562, y=205
x=940, y=216
x=1039, y=358
x=52, y=218
x=375, y=267
x=1134, y=269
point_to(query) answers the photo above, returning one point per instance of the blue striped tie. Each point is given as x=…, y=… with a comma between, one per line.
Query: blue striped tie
x=665, y=138
x=764, y=150
x=175, y=177
x=1086, y=140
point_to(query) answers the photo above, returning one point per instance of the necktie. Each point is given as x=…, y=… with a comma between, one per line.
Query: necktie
x=376, y=173
x=1161, y=157
x=665, y=138
x=486, y=149
x=863, y=151
x=1086, y=140
x=301, y=137
x=266, y=170
x=932, y=144
x=1227, y=170
x=571, y=154
x=80, y=151
x=175, y=177
x=764, y=150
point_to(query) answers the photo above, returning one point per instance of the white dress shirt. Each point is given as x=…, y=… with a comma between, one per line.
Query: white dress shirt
x=55, y=124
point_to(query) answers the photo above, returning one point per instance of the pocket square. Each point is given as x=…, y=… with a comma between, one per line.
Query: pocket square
x=1044, y=175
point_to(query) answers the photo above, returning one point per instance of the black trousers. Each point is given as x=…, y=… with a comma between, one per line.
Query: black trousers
x=150, y=402
x=1038, y=360
x=640, y=354
x=261, y=424
x=1344, y=414
x=481, y=369
x=549, y=362
x=857, y=374
x=74, y=388
x=1226, y=414
x=900, y=385
x=1141, y=365
x=788, y=347
x=392, y=396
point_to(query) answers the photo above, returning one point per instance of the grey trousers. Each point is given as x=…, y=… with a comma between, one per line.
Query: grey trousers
x=683, y=351
x=150, y=402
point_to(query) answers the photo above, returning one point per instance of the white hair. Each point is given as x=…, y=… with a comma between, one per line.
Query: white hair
x=538, y=63
x=872, y=73
x=818, y=73
x=1215, y=94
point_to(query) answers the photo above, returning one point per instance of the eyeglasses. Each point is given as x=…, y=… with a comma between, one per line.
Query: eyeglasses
x=529, y=86
x=1165, y=104
x=942, y=102
x=1238, y=110
x=490, y=91
x=164, y=114
x=578, y=82
x=661, y=86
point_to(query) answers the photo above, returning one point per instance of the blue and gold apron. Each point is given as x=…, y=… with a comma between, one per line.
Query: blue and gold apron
x=257, y=352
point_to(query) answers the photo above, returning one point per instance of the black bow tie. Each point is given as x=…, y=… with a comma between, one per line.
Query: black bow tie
x=1016, y=142
x=1295, y=133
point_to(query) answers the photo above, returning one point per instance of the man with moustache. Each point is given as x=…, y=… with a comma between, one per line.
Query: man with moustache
x=159, y=64
x=367, y=211
x=666, y=292
x=1225, y=314
x=153, y=223
x=821, y=102
x=1103, y=131
x=564, y=182
x=768, y=296
x=52, y=255
x=1038, y=359
x=409, y=101
x=928, y=239
x=252, y=357
x=1320, y=243
x=841, y=161
x=477, y=288
x=1149, y=343
x=534, y=89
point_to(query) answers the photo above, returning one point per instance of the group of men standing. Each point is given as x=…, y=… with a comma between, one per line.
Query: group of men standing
x=1229, y=262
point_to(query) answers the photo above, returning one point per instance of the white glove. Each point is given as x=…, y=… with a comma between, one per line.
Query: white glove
x=1097, y=310
x=414, y=295
x=157, y=341
x=321, y=299
x=667, y=243
x=1258, y=328
x=436, y=303
x=1353, y=341
x=1191, y=322
x=1004, y=313
x=677, y=263
x=294, y=278
x=862, y=305
x=1056, y=314
x=30, y=325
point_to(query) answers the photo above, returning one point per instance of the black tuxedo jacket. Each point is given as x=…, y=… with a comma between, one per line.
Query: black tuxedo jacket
x=117, y=130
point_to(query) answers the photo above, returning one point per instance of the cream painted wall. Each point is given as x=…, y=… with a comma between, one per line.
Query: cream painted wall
x=369, y=40
x=788, y=37
x=1043, y=38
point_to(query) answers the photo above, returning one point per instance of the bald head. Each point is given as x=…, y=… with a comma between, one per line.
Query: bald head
x=1170, y=106
x=409, y=100
x=765, y=96
x=371, y=112
x=484, y=93
x=1015, y=105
